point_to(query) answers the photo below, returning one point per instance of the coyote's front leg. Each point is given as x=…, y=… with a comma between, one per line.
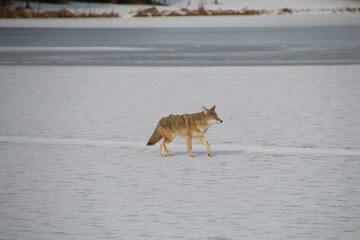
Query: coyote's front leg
x=165, y=146
x=206, y=144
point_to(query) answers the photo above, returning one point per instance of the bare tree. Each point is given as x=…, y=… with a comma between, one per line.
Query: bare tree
x=27, y=4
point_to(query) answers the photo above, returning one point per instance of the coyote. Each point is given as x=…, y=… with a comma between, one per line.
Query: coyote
x=186, y=125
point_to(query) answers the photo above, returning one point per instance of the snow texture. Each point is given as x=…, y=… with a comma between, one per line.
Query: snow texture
x=74, y=164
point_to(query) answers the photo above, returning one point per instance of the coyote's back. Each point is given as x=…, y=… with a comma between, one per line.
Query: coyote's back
x=186, y=125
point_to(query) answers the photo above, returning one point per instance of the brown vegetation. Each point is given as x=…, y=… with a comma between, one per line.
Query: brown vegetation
x=201, y=11
x=148, y=12
x=5, y=12
x=348, y=9
x=285, y=11
x=62, y=13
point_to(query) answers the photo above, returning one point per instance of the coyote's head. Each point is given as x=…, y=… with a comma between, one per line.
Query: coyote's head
x=211, y=116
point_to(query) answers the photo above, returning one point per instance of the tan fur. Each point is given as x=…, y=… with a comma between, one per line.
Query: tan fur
x=186, y=125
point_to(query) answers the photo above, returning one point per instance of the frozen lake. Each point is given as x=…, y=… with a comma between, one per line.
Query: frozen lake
x=74, y=164
x=217, y=46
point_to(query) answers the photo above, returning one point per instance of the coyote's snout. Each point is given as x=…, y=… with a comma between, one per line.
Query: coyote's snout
x=186, y=125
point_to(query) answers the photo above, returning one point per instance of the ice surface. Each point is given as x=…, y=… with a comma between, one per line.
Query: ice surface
x=74, y=165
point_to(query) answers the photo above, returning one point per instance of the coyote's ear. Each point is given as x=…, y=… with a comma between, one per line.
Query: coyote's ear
x=213, y=108
x=205, y=110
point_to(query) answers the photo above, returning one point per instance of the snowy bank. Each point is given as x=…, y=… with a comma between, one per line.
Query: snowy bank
x=314, y=14
x=218, y=21
x=312, y=6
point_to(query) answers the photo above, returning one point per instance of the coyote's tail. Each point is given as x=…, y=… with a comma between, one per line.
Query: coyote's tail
x=155, y=137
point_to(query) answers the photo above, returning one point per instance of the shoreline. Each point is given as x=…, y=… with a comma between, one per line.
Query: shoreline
x=189, y=22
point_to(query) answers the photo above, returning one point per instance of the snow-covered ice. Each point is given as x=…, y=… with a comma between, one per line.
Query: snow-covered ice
x=74, y=164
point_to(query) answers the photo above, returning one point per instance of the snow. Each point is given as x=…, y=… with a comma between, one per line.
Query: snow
x=78, y=92
x=74, y=164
